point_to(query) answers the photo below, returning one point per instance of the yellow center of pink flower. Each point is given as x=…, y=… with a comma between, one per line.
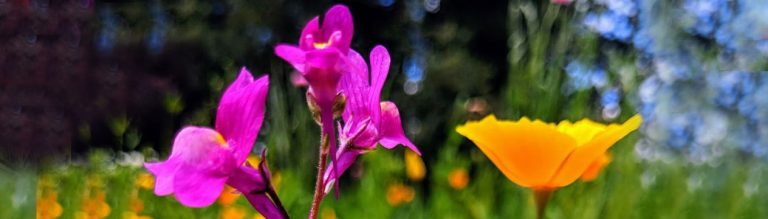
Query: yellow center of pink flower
x=221, y=141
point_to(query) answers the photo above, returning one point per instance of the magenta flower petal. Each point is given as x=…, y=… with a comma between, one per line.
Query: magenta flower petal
x=379, y=69
x=307, y=40
x=199, y=164
x=165, y=172
x=293, y=55
x=262, y=203
x=359, y=70
x=255, y=185
x=339, y=19
x=345, y=160
x=241, y=113
x=196, y=188
x=392, y=129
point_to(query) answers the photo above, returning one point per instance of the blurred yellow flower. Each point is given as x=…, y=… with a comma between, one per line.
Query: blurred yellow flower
x=398, y=194
x=414, y=166
x=595, y=167
x=328, y=213
x=94, y=206
x=134, y=215
x=48, y=206
x=544, y=156
x=277, y=179
x=145, y=181
x=228, y=196
x=458, y=178
x=232, y=212
x=258, y=216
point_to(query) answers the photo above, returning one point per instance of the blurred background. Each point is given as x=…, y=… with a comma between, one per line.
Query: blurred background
x=89, y=90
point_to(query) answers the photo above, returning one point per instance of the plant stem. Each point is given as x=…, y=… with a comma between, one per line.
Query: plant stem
x=541, y=197
x=321, y=165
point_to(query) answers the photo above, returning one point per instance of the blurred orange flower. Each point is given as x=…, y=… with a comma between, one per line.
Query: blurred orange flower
x=228, y=196
x=232, y=212
x=458, y=178
x=398, y=194
x=94, y=206
x=414, y=166
x=48, y=206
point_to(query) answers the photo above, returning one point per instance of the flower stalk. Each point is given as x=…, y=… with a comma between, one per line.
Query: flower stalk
x=321, y=166
x=541, y=198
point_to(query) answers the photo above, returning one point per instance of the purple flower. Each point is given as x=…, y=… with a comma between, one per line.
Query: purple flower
x=367, y=121
x=321, y=58
x=203, y=160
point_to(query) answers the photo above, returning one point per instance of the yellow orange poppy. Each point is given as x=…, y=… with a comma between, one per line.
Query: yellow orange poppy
x=544, y=156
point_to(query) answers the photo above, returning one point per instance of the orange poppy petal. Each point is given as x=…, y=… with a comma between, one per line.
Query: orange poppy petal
x=582, y=157
x=530, y=151
x=583, y=130
x=595, y=167
x=485, y=133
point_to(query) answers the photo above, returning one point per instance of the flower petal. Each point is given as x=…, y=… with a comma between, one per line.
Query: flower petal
x=262, y=203
x=380, y=61
x=338, y=18
x=583, y=130
x=164, y=172
x=528, y=152
x=354, y=85
x=595, y=167
x=344, y=161
x=293, y=55
x=312, y=28
x=575, y=165
x=360, y=67
x=241, y=113
x=197, y=188
x=392, y=129
x=247, y=179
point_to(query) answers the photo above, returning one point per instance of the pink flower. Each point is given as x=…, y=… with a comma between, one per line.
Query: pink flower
x=367, y=121
x=321, y=58
x=562, y=2
x=203, y=160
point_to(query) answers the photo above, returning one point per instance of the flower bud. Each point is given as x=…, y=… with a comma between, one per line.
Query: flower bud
x=339, y=104
x=313, y=106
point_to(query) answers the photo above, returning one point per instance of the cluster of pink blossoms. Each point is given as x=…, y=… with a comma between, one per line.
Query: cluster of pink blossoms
x=204, y=160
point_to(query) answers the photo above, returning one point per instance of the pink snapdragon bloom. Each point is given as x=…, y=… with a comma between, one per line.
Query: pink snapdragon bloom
x=321, y=58
x=203, y=160
x=367, y=120
x=562, y=2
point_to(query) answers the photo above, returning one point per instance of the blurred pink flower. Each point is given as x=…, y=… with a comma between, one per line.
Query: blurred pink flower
x=367, y=121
